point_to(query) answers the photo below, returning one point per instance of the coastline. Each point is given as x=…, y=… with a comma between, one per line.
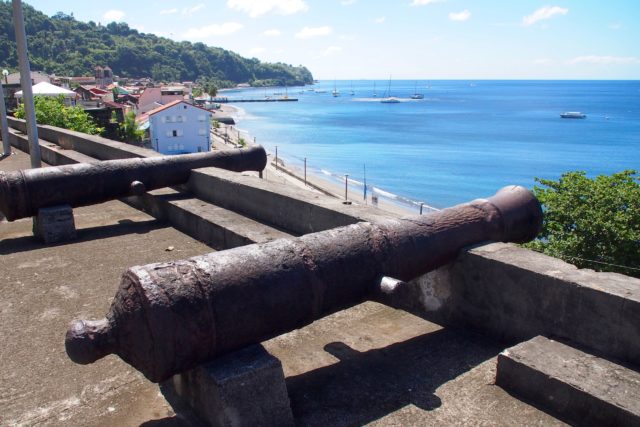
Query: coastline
x=226, y=137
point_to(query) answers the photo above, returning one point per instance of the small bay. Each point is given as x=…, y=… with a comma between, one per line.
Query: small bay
x=463, y=140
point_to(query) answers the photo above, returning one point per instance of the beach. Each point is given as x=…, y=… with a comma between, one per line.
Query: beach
x=227, y=137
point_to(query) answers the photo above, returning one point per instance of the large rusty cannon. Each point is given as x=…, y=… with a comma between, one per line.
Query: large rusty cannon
x=22, y=193
x=170, y=317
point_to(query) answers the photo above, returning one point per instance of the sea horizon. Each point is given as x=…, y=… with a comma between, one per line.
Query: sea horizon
x=465, y=139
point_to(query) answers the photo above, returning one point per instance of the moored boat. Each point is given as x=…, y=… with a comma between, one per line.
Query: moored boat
x=573, y=115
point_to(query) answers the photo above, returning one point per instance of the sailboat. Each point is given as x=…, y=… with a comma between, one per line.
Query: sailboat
x=352, y=92
x=374, y=89
x=416, y=95
x=335, y=90
x=390, y=99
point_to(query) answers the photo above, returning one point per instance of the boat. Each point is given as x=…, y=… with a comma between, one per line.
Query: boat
x=352, y=92
x=335, y=91
x=374, y=89
x=389, y=99
x=573, y=115
x=416, y=95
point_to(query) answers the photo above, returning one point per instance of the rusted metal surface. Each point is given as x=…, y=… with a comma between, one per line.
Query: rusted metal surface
x=169, y=317
x=22, y=193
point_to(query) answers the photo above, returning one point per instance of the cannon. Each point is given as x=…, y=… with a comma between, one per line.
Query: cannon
x=22, y=193
x=169, y=317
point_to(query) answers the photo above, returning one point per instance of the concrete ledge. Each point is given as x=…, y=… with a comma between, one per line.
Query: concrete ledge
x=90, y=145
x=515, y=294
x=292, y=209
x=215, y=226
x=577, y=387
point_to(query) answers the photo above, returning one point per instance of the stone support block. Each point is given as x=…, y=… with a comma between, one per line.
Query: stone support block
x=245, y=388
x=55, y=224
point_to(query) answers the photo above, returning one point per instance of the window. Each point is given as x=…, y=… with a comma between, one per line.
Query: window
x=202, y=131
x=175, y=133
x=201, y=118
x=180, y=119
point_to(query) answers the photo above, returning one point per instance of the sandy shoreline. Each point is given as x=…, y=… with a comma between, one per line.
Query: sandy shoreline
x=226, y=137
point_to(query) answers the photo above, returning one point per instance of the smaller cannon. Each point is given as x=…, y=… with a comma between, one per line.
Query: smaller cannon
x=170, y=317
x=22, y=193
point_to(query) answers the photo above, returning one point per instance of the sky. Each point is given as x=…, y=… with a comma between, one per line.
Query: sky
x=405, y=39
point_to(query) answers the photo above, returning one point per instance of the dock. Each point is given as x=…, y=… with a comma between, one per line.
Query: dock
x=226, y=100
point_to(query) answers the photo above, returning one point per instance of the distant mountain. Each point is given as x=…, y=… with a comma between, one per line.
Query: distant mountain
x=62, y=45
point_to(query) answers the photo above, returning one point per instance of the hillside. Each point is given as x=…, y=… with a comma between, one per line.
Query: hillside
x=62, y=45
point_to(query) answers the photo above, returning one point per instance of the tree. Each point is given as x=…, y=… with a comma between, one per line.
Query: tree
x=129, y=130
x=592, y=223
x=52, y=111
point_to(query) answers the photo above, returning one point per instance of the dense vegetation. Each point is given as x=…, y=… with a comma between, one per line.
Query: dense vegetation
x=592, y=223
x=52, y=111
x=67, y=47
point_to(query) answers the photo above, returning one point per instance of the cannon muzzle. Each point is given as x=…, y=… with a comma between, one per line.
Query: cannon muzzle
x=170, y=317
x=22, y=193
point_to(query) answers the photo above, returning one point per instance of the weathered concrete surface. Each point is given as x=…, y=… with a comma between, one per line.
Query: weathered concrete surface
x=44, y=287
x=578, y=387
x=243, y=388
x=373, y=364
x=515, y=294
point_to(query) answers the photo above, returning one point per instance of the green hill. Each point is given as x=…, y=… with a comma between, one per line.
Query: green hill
x=62, y=45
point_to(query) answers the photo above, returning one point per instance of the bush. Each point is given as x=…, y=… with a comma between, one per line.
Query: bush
x=592, y=223
x=52, y=111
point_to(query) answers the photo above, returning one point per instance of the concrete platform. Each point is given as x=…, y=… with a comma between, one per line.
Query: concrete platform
x=580, y=388
x=369, y=364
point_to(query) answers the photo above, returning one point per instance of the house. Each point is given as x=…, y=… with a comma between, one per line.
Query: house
x=154, y=97
x=178, y=127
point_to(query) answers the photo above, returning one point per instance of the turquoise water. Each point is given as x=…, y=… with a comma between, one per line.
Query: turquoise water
x=464, y=140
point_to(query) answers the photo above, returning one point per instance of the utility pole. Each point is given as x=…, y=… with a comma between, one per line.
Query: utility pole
x=6, y=146
x=25, y=82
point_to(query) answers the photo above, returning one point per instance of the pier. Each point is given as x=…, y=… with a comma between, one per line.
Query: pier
x=226, y=100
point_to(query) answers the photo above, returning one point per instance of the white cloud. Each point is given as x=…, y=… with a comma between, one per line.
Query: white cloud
x=605, y=60
x=188, y=11
x=205, y=32
x=274, y=32
x=542, y=61
x=256, y=51
x=255, y=8
x=546, y=12
x=113, y=15
x=424, y=2
x=169, y=11
x=308, y=32
x=331, y=50
x=347, y=2
x=460, y=16
x=380, y=20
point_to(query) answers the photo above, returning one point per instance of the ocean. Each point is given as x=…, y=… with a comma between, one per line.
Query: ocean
x=463, y=140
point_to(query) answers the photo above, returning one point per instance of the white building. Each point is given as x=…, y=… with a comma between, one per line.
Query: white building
x=179, y=128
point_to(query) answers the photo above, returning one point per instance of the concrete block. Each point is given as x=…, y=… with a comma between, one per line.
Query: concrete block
x=577, y=387
x=55, y=224
x=245, y=388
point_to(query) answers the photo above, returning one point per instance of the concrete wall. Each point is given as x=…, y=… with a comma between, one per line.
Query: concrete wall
x=515, y=294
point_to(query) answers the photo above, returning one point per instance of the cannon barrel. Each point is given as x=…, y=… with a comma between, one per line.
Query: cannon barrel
x=170, y=317
x=22, y=193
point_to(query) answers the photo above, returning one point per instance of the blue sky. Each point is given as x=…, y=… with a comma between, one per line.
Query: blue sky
x=408, y=39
